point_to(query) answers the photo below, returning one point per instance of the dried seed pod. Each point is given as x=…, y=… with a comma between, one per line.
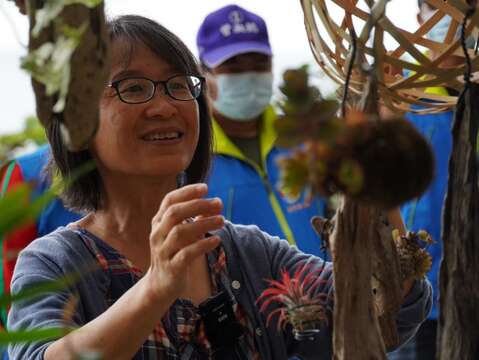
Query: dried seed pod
x=414, y=261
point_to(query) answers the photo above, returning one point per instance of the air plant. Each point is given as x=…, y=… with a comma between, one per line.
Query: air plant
x=414, y=260
x=384, y=163
x=300, y=303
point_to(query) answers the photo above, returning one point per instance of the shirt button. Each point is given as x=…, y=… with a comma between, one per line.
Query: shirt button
x=235, y=284
x=258, y=332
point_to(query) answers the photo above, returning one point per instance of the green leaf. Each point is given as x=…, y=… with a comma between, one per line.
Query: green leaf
x=294, y=174
x=38, y=289
x=33, y=132
x=351, y=175
x=15, y=208
x=327, y=131
x=37, y=58
x=59, y=183
x=289, y=131
x=31, y=335
x=87, y=3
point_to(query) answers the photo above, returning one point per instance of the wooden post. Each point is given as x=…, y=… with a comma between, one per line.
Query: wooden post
x=386, y=283
x=366, y=273
x=459, y=277
x=90, y=67
x=356, y=327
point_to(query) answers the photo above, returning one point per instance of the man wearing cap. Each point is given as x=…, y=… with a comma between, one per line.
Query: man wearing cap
x=235, y=52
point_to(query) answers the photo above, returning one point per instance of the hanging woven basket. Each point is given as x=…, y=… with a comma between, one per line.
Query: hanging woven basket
x=404, y=72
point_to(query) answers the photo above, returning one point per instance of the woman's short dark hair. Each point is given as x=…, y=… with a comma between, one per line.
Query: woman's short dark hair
x=87, y=193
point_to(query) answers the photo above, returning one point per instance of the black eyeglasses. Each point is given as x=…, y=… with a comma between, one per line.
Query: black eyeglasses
x=138, y=90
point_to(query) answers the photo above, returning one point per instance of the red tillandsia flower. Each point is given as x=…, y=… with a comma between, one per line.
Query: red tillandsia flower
x=301, y=305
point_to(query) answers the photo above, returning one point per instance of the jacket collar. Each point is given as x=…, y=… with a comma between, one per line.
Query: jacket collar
x=222, y=145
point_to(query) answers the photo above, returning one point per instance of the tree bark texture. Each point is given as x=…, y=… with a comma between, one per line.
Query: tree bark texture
x=90, y=67
x=386, y=282
x=366, y=272
x=459, y=276
x=356, y=328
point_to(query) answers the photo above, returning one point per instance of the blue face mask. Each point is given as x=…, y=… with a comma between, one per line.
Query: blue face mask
x=243, y=96
x=439, y=31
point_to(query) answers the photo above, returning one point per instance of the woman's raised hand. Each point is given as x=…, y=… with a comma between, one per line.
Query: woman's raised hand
x=178, y=237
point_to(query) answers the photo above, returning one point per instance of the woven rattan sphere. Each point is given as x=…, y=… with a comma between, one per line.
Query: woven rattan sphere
x=427, y=63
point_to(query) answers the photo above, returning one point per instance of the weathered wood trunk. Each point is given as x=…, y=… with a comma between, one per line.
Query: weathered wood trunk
x=386, y=282
x=90, y=66
x=356, y=327
x=459, y=277
x=366, y=273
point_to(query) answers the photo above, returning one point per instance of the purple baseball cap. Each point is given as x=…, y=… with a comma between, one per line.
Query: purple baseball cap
x=231, y=31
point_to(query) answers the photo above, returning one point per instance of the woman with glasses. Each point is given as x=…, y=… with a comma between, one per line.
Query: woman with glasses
x=161, y=275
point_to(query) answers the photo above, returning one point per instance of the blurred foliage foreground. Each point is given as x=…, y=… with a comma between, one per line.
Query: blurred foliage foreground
x=18, y=209
x=32, y=135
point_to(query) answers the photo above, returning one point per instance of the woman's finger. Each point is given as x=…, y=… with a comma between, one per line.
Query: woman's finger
x=188, y=254
x=183, y=212
x=185, y=193
x=186, y=234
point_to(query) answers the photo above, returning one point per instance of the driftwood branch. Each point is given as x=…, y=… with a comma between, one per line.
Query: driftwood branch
x=459, y=278
x=89, y=73
x=366, y=271
x=385, y=278
x=386, y=282
x=356, y=327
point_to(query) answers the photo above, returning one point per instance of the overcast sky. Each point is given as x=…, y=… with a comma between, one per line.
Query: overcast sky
x=283, y=17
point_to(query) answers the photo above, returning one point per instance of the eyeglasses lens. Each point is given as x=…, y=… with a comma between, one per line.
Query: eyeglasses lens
x=136, y=90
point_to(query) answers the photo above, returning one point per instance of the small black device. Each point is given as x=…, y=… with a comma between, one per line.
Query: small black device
x=221, y=326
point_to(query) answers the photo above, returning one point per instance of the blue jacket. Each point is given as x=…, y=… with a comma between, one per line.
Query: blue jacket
x=426, y=211
x=31, y=167
x=250, y=194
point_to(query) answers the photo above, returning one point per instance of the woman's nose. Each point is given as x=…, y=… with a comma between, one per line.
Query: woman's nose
x=161, y=105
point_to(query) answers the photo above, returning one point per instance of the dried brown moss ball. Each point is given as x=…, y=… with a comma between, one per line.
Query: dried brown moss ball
x=397, y=161
x=383, y=163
